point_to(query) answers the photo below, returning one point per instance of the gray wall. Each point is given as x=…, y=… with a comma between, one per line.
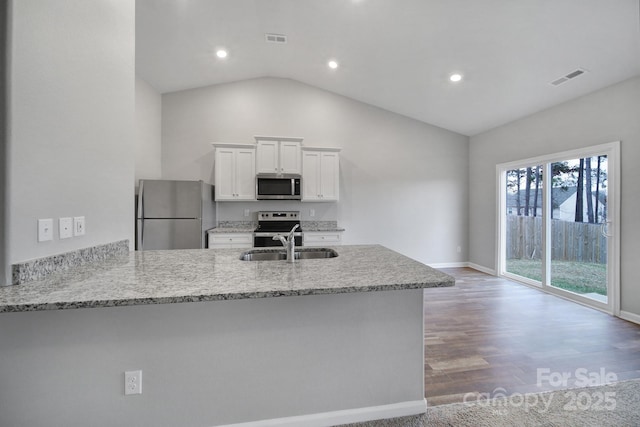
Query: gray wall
x=403, y=183
x=211, y=363
x=610, y=114
x=4, y=134
x=148, y=147
x=72, y=81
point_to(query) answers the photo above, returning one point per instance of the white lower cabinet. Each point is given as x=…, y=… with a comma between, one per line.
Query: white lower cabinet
x=229, y=240
x=321, y=238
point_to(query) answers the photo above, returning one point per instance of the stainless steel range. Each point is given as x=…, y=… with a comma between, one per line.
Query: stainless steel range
x=271, y=223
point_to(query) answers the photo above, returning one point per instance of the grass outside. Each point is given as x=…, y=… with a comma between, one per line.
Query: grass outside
x=579, y=277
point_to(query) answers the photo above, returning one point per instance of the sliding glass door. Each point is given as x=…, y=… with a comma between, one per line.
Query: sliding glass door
x=523, y=218
x=578, y=226
x=557, y=224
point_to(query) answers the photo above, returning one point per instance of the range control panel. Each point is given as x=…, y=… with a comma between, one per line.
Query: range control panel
x=278, y=216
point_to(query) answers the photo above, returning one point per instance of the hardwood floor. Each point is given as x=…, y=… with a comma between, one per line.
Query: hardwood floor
x=491, y=335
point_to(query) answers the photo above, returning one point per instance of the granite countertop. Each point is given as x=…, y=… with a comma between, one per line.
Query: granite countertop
x=232, y=229
x=307, y=229
x=307, y=226
x=159, y=277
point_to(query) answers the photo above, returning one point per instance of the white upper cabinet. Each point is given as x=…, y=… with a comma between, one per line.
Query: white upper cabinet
x=278, y=155
x=320, y=174
x=235, y=177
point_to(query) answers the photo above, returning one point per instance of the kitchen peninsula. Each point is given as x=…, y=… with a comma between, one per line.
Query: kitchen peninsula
x=317, y=342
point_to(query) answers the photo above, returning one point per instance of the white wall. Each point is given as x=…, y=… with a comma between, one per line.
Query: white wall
x=211, y=363
x=148, y=157
x=4, y=209
x=403, y=183
x=71, y=120
x=610, y=114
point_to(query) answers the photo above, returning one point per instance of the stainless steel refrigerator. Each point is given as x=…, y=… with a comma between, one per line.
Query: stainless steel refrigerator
x=173, y=214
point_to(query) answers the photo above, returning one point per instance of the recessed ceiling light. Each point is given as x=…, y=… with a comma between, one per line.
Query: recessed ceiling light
x=333, y=64
x=221, y=53
x=455, y=77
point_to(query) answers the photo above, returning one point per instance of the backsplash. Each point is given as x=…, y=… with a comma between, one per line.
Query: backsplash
x=42, y=267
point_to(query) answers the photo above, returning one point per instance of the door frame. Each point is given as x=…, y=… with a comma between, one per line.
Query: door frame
x=612, y=150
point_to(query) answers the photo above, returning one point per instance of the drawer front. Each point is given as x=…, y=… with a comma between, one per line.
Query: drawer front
x=315, y=239
x=230, y=240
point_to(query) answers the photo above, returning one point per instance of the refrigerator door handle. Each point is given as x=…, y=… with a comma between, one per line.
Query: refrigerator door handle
x=140, y=204
x=140, y=237
x=140, y=231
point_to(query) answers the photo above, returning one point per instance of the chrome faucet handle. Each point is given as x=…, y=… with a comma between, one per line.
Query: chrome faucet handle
x=281, y=238
x=292, y=230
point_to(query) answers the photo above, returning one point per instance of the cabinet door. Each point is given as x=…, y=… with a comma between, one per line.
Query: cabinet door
x=245, y=176
x=267, y=157
x=224, y=173
x=310, y=175
x=329, y=176
x=290, y=157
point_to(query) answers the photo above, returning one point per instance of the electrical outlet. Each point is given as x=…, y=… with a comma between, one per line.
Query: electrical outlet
x=78, y=226
x=65, y=227
x=312, y=213
x=45, y=229
x=246, y=213
x=459, y=249
x=133, y=382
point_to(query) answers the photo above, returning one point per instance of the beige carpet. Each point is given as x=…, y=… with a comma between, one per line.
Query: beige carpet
x=616, y=405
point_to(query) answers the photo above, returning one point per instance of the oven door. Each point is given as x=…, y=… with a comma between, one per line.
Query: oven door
x=265, y=240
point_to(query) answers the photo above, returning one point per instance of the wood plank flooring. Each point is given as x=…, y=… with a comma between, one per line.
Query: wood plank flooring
x=491, y=335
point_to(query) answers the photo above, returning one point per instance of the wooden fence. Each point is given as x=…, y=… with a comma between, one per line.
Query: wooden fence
x=570, y=241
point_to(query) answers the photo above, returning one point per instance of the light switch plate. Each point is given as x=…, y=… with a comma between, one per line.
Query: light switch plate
x=45, y=229
x=65, y=227
x=78, y=226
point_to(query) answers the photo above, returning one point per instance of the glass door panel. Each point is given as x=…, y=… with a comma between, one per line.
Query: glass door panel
x=578, y=226
x=523, y=222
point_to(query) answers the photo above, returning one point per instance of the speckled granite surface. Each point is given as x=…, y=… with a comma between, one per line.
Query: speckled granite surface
x=159, y=277
x=249, y=226
x=231, y=230
x=42, y=267
x=320, y=226
x=234, y=227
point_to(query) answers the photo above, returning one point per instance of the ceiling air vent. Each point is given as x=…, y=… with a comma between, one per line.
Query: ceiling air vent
x=566, y=78
x=275, y=38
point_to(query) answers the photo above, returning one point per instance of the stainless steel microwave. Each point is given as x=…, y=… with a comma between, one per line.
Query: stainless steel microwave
x=278, y=187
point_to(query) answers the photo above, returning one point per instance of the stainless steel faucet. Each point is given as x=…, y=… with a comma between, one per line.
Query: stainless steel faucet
x=289, y=243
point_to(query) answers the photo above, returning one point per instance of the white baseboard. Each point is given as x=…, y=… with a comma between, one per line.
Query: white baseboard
x=481, y=268
x=449, y=265
x=333, y=418
x=463, y=264
x=631, y=317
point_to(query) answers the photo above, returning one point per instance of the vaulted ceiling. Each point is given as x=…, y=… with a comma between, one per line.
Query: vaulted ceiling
x=399, y=54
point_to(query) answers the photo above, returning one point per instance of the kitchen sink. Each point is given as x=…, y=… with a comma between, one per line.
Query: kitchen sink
x=281, y=255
